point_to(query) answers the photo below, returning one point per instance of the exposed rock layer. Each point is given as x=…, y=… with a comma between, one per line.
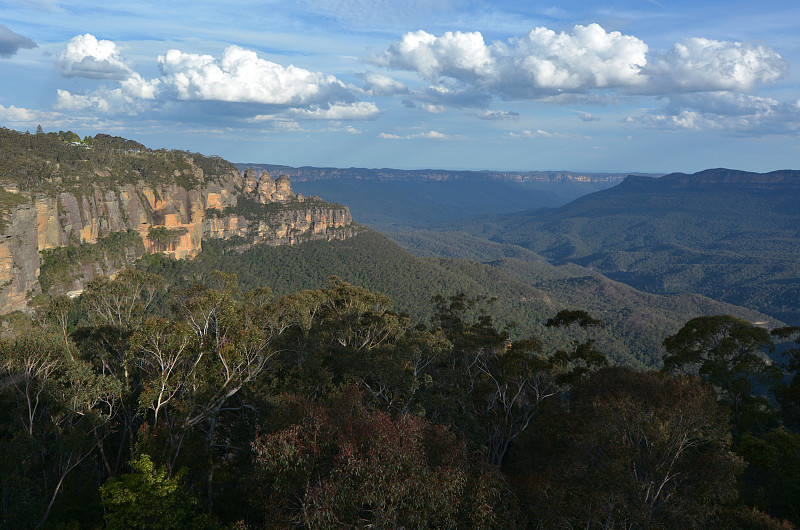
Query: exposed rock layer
x=169, y=218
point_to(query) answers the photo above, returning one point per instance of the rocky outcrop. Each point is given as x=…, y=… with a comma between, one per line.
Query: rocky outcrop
x=285, y=226
x=168, y=217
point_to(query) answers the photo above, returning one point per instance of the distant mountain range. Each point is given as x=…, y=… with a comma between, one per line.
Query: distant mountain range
x=307, y=173
x=415, y=199
x=731, y=235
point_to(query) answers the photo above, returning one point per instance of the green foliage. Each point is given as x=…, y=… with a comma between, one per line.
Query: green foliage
x=771, y=481
x=163, y=237
x=636, y=450
x=343, y=464
x=527, y=293
x=8, y=202
x=68, y=137
x=326, y=407
x=147, y=498
x=49, y=163
x=788, y=393
x=113, y=251
x=730, y=241
x=728, y=353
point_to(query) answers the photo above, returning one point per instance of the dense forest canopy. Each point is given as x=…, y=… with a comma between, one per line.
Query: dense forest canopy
x=58, y=161
x=324, y=407
x=352, y=384
x=729, y=235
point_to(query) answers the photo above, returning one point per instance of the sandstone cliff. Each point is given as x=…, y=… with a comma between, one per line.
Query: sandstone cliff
x=79, y=226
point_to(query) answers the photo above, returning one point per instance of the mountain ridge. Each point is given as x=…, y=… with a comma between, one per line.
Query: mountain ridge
x=730, y=235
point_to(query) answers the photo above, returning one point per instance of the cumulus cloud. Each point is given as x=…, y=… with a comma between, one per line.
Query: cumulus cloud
x=585, y=61
x=21, y=115
x=236, y=85
x=383, y=85
x=241, y=76
x=103, y=101
x=540, y=63
x=723, y=111
x=432, y=109
x=361, y=110
x=85, y=56
x=454, y=54
x=587, y=117
x=11, y=42
x=702, y=64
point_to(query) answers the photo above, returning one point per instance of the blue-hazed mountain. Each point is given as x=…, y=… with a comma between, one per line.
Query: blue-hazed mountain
x=731, y=235
x=396, y=198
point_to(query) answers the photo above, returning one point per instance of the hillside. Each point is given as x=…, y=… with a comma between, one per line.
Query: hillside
x=72, y=211
x=730, y=235
x=527, y=293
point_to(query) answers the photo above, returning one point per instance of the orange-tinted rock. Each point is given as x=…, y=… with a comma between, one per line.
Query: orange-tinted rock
x=47, y=222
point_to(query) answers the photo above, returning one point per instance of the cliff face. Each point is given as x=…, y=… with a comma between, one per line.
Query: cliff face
x=304, y=174
x=167, y=217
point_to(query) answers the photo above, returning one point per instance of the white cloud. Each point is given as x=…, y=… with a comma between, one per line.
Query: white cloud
x=238, y=77
x=21, y=115
x=587, y=58
x=452, y=95
x=102, y=101
x=360, y=110
x=433, y=109
x=383, y=85
x=685, y=119
x=540, y=63
x=434, y=135
x=724, y=111
x=85, y=56
x=137, y=87
x=539, y=133
x=241, y=76
x=454, y=54
x=702, y=64
x=497, y=115
x=277, y=123
x=11, y=42
x=547, y=65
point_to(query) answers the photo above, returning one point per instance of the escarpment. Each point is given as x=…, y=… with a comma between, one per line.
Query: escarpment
x=71, y=213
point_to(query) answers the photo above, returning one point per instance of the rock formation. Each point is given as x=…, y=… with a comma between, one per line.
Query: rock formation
x=167, y=215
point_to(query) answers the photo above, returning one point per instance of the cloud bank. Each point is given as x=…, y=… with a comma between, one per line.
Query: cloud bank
x=544, y=63
x=238, y=77
x=241, y=76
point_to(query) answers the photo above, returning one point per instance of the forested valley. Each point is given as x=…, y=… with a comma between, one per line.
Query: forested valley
x=324, y=379
x=143, y=404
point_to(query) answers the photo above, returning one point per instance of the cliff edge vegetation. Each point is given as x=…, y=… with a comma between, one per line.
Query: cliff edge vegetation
x=73, y=210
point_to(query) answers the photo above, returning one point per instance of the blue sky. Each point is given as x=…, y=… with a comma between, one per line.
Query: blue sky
x=645, y=85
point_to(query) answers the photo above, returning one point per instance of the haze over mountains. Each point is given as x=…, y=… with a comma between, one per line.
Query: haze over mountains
x=727, y=234
x=393, y=198
x=730, y=235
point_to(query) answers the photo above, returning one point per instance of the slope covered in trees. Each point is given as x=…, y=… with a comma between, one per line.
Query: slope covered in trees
x=527, y=293
x=325, y=408
x=729, y=235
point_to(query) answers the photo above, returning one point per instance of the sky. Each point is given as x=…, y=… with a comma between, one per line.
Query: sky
x=627, y=85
